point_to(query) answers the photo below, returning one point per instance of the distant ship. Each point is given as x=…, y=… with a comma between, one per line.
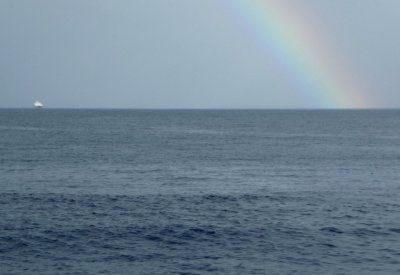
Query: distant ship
x=38, y=105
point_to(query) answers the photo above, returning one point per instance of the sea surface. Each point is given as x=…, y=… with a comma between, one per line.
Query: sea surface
x=199, y=191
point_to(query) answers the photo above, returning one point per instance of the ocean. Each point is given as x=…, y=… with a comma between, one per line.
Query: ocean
x=199, y=191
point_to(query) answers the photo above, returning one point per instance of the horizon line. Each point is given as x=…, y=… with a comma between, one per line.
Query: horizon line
x=208, y=108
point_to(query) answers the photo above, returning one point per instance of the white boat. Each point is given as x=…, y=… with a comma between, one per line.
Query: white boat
x=37, y=104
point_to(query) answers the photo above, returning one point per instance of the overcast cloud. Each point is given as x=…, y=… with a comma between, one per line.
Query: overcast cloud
x=176, y=54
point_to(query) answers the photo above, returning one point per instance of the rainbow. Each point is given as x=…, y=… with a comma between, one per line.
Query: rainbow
x=295, y=38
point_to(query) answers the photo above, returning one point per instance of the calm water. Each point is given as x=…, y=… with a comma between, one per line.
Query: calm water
x=197, y=192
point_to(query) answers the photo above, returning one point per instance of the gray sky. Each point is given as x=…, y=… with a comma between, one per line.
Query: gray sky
x=178, y=54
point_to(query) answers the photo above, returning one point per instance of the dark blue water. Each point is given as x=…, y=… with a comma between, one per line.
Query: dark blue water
x=199, y=192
